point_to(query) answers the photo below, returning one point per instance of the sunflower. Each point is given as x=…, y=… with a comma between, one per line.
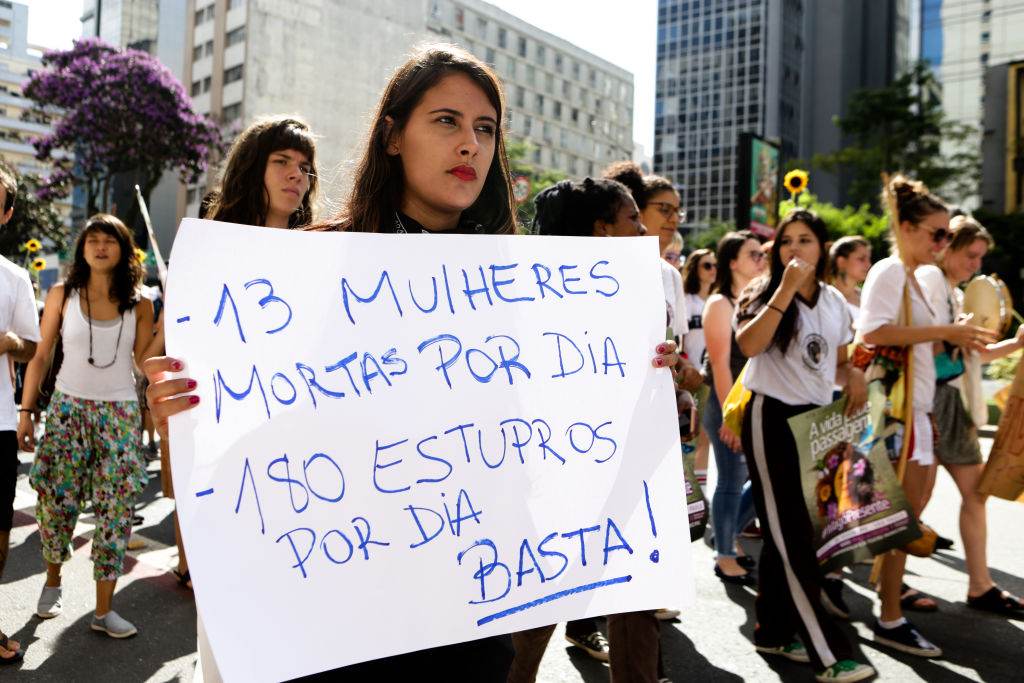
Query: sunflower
x=140, y=255
x=33, y=245
x=795, y=181
x=38, y=264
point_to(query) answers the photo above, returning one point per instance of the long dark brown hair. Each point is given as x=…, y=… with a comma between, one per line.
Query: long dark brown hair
x=691, y=270
x=127, y=276
x=379, y=180
x=728, y=251
x=762, y=289
x=242, y=197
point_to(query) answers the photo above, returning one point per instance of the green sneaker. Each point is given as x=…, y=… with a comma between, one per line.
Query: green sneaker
x=795, y=651
x=846, y=671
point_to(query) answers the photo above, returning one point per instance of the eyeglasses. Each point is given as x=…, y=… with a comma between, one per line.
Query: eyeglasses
x=668, y=210
x=707, y=265
x=756, y=256
x=672, y=256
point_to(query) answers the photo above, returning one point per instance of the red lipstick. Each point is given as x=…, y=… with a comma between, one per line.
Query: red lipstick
x=463, y=172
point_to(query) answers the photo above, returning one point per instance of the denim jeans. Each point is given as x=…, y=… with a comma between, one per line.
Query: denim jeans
x=732, y=507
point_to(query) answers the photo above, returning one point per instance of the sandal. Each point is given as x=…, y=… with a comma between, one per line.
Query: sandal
x=914, y=600
x=16, y=655
x=997, y=601
x=184, y=578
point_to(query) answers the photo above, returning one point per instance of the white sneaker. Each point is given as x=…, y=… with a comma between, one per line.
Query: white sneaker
x=113, y=625
x=49, y=604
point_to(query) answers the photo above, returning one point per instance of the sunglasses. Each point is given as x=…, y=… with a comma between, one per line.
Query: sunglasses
x=671, y=257
x=756, y=256
x=940, y=235
x=708, y=266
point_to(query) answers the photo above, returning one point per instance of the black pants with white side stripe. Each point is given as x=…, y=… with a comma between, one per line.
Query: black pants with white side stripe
x=789, y=578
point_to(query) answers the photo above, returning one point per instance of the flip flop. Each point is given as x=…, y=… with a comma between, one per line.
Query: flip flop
x=997, y=601
x=16, y=657
x=912, y=599
x=184, y=578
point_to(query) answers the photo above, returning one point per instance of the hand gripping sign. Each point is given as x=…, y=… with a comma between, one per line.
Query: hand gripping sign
x=466, y=430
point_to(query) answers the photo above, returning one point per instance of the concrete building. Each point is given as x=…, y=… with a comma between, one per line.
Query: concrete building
x=573, y=108
x=124, y=23
x=19, y=120
x=782, y=69
x=1002, y=146
x=851, y=45
x=723, y=67
x=248, y=58
x=961, y=39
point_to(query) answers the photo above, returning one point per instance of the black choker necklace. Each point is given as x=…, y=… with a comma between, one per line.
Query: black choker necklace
x=117, y=344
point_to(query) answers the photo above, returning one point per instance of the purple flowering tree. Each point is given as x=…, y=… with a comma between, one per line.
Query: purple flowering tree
x=119, y=111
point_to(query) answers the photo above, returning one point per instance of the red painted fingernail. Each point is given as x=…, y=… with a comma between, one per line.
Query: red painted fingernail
x=193, y=400
x=176, y=365
x=659, y=362
x=191, y=384
x=661, y=348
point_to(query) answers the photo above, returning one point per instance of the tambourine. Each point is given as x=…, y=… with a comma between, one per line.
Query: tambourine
x=988, y=298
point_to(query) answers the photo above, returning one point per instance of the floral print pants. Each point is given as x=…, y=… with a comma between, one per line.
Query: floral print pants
x=91, y=451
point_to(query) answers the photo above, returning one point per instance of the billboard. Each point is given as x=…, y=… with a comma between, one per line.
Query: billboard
x=758, y=184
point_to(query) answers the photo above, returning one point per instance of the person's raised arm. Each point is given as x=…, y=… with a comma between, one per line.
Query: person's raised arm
x=757, y=334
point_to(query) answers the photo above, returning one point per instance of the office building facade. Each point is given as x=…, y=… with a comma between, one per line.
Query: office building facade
x=782, y=69
x=247, y=58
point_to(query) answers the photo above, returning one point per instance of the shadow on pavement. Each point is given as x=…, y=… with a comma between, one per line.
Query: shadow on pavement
x=684, y=663
x=168, y=632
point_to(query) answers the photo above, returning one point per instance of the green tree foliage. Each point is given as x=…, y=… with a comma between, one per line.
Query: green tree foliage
x=902, y=127
x=33, y=217
x=539, y=180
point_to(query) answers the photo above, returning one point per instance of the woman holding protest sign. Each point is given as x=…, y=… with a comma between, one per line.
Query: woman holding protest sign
x=794, y=328
x=434, y=163
x=92, y=450
x=957, y=447
x=739, y=260
x=921, y=231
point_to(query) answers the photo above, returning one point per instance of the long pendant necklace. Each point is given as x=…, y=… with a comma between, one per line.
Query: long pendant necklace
x=117, y=344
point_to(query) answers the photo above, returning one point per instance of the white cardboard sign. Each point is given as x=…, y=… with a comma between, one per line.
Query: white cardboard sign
x=462, y=430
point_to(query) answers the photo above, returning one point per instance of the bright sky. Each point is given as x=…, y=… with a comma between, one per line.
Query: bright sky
x=623, y=34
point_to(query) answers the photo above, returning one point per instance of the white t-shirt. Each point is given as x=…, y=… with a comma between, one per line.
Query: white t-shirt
x=806, y=373
x=693, y=343
x=675, y=303
x=946, y=301
x=880, y=303
x=17, y=315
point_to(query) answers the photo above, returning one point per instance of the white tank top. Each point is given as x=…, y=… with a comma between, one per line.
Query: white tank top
x=80, y=379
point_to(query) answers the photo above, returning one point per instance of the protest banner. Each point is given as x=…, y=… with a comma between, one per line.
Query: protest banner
x=405, y=441
x=856, y=504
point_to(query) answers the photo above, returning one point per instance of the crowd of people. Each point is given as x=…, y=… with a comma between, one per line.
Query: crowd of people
x=435, y=162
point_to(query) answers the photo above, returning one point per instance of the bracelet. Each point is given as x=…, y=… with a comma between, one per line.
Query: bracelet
x=26, y=410
x=776, y=308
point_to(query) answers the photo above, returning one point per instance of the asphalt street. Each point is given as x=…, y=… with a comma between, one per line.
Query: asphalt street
x=710, y=642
